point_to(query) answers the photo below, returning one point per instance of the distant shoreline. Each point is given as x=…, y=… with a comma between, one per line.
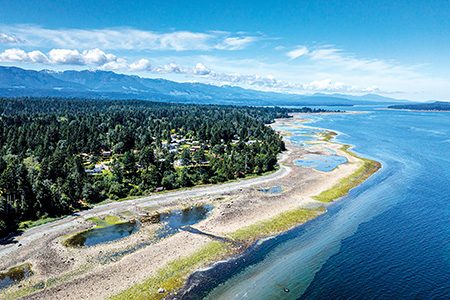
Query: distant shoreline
x=415, y=110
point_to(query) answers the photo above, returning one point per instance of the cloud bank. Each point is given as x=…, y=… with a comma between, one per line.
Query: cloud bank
x=124, y=39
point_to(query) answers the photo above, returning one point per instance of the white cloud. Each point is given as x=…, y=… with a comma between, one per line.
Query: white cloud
x=126, y=39
x=91, y=57
x=66, y=57
x=201, y=69
x=347, y=62
x=297, y=52
x=169, y=68
x=12, y=55
x=97, y=57
x=37, y=57
x=328, y=85
x=8, y=39
x=236, y=43
x=141, y=65
x=116, y=65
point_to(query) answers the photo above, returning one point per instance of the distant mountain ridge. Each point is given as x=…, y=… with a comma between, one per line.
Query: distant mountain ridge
x=16, y=81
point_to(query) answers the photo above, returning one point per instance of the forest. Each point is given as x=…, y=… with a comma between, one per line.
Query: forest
x=60, y=155
x=430, y=106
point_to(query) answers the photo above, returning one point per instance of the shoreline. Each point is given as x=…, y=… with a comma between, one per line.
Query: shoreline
x=244, y=214
x=415, y=110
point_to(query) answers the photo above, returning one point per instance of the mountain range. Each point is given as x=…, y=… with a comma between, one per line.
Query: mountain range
x=16, y=82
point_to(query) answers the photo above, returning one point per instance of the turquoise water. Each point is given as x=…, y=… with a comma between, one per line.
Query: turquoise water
x=96, y=236
x=388, y=239
x=324, y=163
x=301, y=136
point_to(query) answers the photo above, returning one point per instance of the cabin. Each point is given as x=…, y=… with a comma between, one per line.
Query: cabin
x=106, y=153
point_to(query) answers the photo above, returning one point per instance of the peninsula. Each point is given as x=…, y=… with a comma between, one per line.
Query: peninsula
x=170, y=235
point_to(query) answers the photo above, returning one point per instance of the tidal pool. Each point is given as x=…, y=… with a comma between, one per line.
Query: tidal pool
x=272, y=190
x=324, y=163
x=15, y=275
x=172, y=221
x=102, y=235
x=175, y=219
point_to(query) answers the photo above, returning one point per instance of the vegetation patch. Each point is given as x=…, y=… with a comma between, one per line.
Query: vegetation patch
x=328, y=135
x=107, y=220
x=172, y=277
x=33, y=223
x=342, y=188
x=280, y=223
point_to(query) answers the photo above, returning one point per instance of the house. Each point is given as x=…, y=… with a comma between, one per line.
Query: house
x=98, y=169
x=174, y=145
x=178, y=163
x=195, y=148
x=106, y=153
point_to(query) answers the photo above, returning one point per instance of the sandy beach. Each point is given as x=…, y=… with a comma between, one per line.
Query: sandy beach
x=97, y=272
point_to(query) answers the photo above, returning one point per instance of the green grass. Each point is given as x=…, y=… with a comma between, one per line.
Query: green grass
x=22, y=292
x=105, y=221
x=342, y=188
x=33, y=223
x=328, y=135
x=280, y=223
x=173, y=276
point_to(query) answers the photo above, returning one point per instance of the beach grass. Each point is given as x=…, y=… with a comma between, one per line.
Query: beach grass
x=107, y=220
x=343, y=187
x=173, y=276
x=280, y=223
x=328, y=135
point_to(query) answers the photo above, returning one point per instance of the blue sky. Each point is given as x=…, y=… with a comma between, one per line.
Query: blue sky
x=395, y=48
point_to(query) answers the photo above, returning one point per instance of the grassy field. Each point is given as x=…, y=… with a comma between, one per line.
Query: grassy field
x=172, y=277
x=341, y=189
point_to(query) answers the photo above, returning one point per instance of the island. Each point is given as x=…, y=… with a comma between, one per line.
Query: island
x=434, y=106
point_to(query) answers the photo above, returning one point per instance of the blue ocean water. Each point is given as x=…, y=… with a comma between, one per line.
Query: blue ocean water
x=388, y=239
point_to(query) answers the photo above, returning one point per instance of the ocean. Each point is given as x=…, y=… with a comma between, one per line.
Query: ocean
x=388, y=239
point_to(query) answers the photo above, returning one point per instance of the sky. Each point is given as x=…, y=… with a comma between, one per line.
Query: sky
x=399, y=49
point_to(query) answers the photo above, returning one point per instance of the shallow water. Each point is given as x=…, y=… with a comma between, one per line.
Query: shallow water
x=324, y=163
x=175, y=219
x=96, y=236
x=272, y=190
x=14, y=275
x=388, y=239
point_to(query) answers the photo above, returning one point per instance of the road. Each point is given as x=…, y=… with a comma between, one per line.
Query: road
x=33, y=234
